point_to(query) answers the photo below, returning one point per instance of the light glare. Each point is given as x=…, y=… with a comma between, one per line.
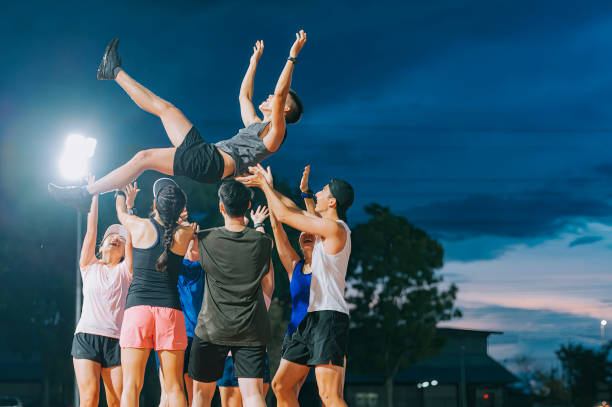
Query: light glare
x=75, y=157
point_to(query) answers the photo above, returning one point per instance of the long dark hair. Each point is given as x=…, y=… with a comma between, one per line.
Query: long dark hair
x=170, y=202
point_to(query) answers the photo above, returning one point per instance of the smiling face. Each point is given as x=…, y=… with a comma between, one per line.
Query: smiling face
x=113, y=245
x=307, y=241
x=324, y=200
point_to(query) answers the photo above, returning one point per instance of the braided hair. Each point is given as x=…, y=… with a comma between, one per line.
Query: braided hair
x=170, y=202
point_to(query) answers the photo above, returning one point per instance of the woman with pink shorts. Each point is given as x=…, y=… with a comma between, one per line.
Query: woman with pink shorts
x=153, y=317
x=106, y=278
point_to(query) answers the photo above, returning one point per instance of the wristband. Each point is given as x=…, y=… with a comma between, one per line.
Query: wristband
x=131, y=211
x=119, y=192
x=258, y=225
x=307, y=194
x=292, y=59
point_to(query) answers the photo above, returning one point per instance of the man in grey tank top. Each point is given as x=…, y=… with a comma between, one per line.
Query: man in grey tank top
x=190, y=155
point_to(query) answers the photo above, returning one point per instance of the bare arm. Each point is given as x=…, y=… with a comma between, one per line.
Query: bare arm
x=274, y=138
x=88, y=250
x=247, y=110
x=267, y=283
x=287, y=254
x=308, y=201
x=128, y=251
x=129, y=222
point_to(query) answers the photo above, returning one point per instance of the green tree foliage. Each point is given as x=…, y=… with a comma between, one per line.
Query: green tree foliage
x=588, y=372
x=396, y=293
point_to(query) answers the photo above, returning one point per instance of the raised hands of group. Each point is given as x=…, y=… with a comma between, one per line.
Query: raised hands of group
x=260, y=214
x=131, y=190
x=257, y=51
x=300, y=40
x=184, y=221
x=259, y=176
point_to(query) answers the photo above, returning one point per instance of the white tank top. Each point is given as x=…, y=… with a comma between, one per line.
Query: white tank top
x=329, y=276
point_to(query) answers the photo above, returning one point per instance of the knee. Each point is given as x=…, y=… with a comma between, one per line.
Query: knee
x=328, y=397
x=89, y=396
x=165, y=108
x=278, y=387
x=142, y=158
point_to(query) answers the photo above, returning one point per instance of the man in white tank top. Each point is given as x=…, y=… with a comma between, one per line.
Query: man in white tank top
x=321, y=338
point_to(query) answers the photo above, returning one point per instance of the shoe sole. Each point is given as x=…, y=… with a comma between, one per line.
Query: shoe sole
x=113, y=44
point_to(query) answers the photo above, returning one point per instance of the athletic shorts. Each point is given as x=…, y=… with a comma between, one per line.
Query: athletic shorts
x=207, y=361
x=97, y=348
x=159, y=328
x=229, y=379
x=320, y=338
x=185, y=359
x=198, y=160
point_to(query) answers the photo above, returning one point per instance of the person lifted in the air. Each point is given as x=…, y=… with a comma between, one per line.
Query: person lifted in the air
x=190, y=155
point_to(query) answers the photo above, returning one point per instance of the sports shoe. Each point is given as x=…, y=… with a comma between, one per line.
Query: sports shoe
x=77, y=197
x=110, y=61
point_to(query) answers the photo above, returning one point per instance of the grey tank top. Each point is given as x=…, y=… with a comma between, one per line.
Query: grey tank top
x=246, y=148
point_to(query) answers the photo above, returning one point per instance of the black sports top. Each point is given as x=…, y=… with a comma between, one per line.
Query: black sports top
x=149, y=286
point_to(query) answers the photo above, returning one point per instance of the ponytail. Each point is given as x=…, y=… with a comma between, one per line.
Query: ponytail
x=170, y=202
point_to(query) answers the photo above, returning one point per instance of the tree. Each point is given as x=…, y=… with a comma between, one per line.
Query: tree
x=587, y=370
x=396, y=294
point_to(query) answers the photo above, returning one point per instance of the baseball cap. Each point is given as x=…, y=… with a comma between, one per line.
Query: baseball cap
x=115, y=229
x=161, y=183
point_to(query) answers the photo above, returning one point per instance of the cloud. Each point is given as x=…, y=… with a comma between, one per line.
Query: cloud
x=585, y=240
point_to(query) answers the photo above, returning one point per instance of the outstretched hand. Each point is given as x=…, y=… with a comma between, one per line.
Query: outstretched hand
x=304, y=181
x=260, y=214
x=131, y=190
x=300, y=40
x=257, y=51
x=259, y=177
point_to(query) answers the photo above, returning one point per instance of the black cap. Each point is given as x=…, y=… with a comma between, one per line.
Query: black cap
x=344, y=194
x=162, y=182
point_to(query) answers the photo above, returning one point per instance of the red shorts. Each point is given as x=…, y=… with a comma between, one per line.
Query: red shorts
x=158, y=328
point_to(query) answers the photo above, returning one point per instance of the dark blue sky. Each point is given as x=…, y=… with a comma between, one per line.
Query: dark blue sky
x=487, y=123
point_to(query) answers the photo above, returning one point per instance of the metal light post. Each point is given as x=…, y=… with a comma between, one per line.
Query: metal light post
x=602, y=326
x=74, y=166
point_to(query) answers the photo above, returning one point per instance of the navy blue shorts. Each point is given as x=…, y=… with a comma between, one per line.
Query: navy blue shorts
x=230, y=380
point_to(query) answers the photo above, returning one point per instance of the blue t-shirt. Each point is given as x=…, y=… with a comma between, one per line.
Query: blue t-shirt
x=300, y=296
x=191, y=291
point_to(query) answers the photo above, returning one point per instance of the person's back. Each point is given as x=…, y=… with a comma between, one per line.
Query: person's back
x=233, y=315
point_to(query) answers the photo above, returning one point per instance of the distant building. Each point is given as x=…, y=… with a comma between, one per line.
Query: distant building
x=462, y=375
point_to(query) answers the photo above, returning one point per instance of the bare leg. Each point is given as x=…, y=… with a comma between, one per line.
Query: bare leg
x=189, y=387
x=87, y=373
x=252, y=392
x=175, y=123
x=163, y=399
x=113, y=384
x=133, y=363
x=203, y=393
x=287, y=382
x=230, y=396
x=329, y=382
x=157, y=159
x=172, y=366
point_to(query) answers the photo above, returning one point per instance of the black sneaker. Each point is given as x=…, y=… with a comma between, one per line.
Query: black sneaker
x=77, y=197
x=110, y=61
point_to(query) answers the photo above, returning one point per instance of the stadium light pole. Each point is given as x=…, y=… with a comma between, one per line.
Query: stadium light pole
x=74, y=165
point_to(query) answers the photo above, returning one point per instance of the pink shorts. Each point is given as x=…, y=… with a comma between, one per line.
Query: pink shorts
x=158, y=328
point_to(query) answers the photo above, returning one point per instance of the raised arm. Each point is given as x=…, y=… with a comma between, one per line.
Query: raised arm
x=274, y=138
x=88, y=249
x=286, y=253
x=125, y=200
x=326, y=228
x=129, y=256
x=247, y=110
x=307, y=193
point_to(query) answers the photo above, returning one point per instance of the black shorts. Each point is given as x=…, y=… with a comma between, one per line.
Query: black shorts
x=320, y=338
x=97, y=348
x=198, y=160
x=207, y=361
x=185, y=359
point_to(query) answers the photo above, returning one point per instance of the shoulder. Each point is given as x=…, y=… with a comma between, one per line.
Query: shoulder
x=206, y=233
